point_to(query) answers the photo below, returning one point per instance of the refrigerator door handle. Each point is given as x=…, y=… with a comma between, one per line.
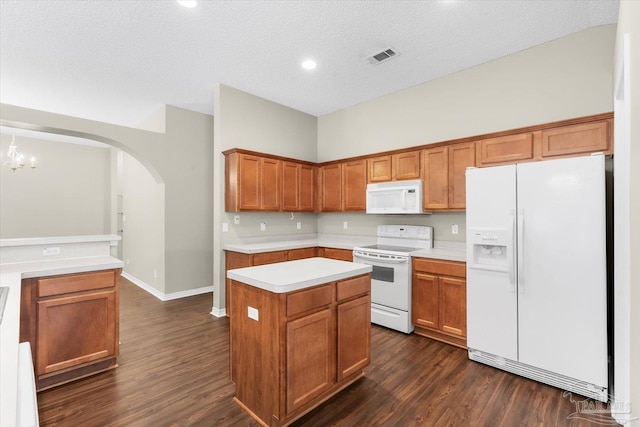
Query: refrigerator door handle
x=521, y=250
x=510, y=251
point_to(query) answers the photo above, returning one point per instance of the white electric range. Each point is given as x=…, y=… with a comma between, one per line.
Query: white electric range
x=391, y=275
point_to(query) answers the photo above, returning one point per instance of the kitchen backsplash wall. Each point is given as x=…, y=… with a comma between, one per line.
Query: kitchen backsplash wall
x=366, y=225
x=276, y=224
x=358, y=224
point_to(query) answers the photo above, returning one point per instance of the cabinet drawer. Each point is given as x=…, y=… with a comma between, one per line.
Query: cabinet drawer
x=59, y=285
x=269, y=257
x=443, y=268
x=353, y=287
x=308, y=299
x=301, y=253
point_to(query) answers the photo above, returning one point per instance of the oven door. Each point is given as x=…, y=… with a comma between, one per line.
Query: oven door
x=390, y=278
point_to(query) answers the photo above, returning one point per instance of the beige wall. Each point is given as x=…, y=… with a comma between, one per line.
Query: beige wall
x=627, y=213
x=181, y=158
x=566, y=78
x=67, y=193
x=143, y=238
x=246, y=121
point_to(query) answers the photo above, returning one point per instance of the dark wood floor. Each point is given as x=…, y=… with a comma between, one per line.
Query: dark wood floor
x=174, y=370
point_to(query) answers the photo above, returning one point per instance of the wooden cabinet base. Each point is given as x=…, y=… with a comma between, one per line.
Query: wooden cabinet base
x=53, y=380
x=439, y=336
x=293, y=417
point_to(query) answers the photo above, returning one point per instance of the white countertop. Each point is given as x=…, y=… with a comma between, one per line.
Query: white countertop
x=253, y=245
x=450, y=251
x=30, y=241
x=295, y=275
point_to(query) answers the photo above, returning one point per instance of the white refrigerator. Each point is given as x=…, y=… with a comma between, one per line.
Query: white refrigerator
x=536, y=271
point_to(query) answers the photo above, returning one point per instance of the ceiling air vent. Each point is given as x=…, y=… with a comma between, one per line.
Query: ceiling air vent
x=379, y=57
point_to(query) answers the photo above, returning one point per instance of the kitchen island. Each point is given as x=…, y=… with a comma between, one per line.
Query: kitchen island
x=300, y=333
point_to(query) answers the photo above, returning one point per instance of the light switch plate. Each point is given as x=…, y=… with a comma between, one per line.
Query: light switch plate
x=299, y=225
x=253, y=313
x=225, y=227
x=454, y=229
x=263, y=226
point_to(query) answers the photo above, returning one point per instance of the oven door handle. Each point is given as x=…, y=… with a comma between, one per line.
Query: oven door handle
x=381, y=260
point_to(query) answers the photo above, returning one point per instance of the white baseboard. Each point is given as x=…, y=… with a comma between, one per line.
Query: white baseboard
x=219, y=312
x=166, y=297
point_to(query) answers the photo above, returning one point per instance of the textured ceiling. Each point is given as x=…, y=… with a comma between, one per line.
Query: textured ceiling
x=118, y=61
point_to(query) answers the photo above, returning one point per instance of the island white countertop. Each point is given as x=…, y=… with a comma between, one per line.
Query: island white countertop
x=290, y=276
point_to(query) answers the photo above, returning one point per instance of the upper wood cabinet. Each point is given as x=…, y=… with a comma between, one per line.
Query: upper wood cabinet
x=505, y=149
x=444, y=176
x=354, y=186
x=394, y=167
x=330, y=190
x=577, y=139
x=252, y=183
x=298, y=187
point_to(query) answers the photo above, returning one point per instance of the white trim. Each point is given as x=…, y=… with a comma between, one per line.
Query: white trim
x=219, y=312
x=188, y=293
x=166, y=297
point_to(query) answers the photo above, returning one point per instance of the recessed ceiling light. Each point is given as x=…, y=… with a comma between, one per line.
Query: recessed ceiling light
x=187, y=3
x=309, y=64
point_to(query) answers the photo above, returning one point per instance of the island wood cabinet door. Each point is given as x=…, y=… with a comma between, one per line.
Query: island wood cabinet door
x=354, y=336
x=310, y=372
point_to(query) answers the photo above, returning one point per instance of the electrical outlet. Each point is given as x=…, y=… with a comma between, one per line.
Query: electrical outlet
x=454, y=229
x=236, y=219
x=225, y=227
x=253, y=313
x=155, y=274
x=127, y=261
x=345, y=225
x=50, y=251
x=263, y=226
x=299, y=225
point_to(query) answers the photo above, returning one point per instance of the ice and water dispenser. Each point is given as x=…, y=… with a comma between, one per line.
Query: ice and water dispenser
x=490, y=249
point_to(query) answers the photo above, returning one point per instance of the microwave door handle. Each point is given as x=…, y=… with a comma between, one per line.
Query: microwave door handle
x=404, y=199
x=381, y=260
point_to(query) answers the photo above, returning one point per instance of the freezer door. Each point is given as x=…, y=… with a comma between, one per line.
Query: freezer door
x=492, y=319
x=562, y=267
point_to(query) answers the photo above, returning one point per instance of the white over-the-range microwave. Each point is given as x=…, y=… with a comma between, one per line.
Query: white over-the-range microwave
x=396, y=197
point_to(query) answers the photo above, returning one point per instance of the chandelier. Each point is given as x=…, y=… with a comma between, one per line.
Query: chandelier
x=16, y=159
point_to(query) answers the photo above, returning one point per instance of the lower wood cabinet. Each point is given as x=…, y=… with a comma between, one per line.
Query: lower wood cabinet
x=305, y=346
x=439, y=300
x=336, y=253
x=72, y=324
x=234, y=260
